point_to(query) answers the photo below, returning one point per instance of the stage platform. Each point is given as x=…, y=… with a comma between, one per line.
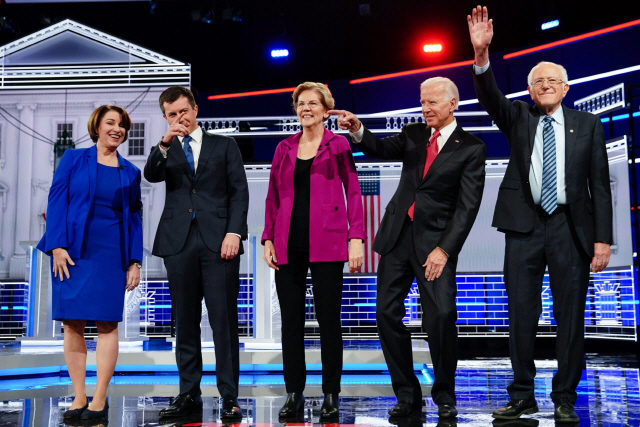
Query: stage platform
x=608, y=395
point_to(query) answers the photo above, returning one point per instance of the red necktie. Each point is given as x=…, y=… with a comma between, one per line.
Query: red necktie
x=432, y=152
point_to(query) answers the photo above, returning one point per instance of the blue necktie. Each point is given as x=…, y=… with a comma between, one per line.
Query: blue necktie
x=188, y=152
x=549, y=197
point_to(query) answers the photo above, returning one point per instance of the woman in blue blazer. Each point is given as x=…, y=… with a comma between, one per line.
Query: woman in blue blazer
x=94, y=235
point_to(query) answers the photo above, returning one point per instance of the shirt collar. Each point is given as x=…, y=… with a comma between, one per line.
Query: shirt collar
x=196, y=135
x=446, y=131
x=557, y=115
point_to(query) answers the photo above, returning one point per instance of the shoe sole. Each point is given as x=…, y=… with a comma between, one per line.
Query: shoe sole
x=515, y=417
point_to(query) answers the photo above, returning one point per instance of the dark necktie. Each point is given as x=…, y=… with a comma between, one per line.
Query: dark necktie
x=188, y=152
x=432, y=152
x=549, y=196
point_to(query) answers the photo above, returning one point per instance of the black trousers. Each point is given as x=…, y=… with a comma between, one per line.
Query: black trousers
x=196, y=272
x=327, y=296
x=553, y=244
x=396, y=272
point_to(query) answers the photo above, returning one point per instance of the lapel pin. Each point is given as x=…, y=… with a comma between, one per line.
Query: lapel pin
x=457, y=141
x=571, y=130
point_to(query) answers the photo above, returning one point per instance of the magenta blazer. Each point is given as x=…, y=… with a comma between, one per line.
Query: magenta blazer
x=331, y=223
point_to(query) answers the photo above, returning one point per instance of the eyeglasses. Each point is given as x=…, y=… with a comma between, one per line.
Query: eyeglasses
x=552, y=82
x=311, y=104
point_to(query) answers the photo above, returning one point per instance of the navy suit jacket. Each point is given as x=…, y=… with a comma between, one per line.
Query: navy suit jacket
x=219, y=194
x=586, y=167
x=70, y=198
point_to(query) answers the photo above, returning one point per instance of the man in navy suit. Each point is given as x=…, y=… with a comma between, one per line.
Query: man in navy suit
x=554, y=206
x=199, y=236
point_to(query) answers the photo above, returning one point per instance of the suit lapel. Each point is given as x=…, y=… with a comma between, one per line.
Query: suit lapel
x=92, y=166
x=124, y=182
x=421, y=150
x=179, y=157
x=534, y=121
x=570, y=132
x=205, y=151
x=453, y=143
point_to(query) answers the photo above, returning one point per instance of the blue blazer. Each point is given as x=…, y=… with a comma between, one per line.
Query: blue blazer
x=71, y=196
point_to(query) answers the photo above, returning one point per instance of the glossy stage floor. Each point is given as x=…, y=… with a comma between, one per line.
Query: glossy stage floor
x=35, y=389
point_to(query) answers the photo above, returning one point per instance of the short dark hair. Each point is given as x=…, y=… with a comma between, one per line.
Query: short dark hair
x=173, y=93
x=94, y=120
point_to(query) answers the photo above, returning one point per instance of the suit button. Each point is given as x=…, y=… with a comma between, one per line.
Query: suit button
x=190, y=210
x=193, y=191
x=336, y=208
x=417, y=191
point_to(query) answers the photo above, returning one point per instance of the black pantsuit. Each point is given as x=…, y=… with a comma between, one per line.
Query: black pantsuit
x=291, y=279
x=396, y=272
x=188, y=286
x=550, y=243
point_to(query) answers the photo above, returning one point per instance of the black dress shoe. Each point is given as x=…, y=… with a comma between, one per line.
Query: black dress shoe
x=447, y=411
x=75, y=414
x=564, y=412
x=183, y=405
x=329, y=410
x=292, y=406
x=88, y=414
x=402, y=409
x=515, y=408
x=231, y=409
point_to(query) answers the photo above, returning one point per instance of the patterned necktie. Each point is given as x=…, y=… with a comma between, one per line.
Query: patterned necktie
x=432, y=152
x=549, y=197
x=188, y=152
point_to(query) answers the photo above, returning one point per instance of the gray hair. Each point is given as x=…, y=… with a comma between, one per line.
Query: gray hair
x=563, y=71
x=450, y=88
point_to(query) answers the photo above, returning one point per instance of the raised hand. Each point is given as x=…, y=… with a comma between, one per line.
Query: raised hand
x=347, y=120
x=481, y=33
x=175, y=129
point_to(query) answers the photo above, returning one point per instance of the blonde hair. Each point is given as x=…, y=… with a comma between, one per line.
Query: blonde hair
x=325, y=95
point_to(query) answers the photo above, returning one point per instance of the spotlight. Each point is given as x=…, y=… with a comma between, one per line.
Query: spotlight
x=430, y=48
x=279, y=53
x=550, y=24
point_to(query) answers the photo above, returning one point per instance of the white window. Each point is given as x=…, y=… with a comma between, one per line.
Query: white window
x=136, y=139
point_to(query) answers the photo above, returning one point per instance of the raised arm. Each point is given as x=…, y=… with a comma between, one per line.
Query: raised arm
x=481, y=33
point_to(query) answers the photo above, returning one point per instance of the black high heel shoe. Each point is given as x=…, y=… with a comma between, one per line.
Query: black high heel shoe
x=329, y=410
x=293, y=405
x=96, y=415
x=75, y=413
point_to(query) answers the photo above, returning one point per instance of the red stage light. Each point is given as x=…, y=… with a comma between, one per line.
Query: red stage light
x=429, y=48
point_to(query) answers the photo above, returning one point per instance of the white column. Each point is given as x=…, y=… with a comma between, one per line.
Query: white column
x=25, y=174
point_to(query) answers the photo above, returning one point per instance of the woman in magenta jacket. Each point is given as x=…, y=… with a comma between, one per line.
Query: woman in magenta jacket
x=308, y=226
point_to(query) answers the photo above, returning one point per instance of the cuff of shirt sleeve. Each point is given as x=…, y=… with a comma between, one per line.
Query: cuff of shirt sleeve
x=480, y=70
x=356, y=137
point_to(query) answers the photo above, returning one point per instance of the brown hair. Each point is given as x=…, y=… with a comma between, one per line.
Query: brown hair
x=173, y=93
x=325, y=95
x=94, y=120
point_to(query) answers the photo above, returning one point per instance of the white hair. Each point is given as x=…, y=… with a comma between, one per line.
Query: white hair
x=450, y=88
x=563, y=71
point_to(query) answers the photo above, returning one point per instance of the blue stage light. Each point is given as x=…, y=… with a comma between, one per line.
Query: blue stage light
x=279, y=53
x=550, y=24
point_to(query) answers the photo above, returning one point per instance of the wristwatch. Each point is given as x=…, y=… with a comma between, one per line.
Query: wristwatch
x=164, y=144
x=137, y=264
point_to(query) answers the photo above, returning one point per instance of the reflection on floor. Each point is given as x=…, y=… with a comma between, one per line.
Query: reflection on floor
x=608, y=395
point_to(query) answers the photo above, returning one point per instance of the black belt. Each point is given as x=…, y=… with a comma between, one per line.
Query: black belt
x=559, y=209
